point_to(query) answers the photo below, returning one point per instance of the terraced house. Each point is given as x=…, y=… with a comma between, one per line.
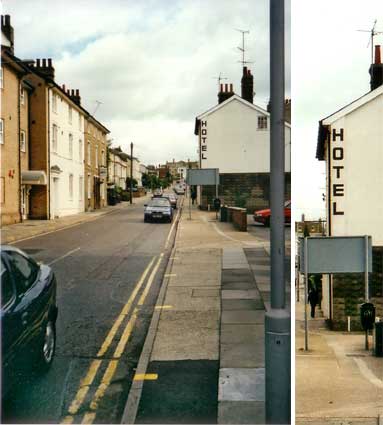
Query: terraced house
x=95, y=164
x=53, y=151
x=17, y=179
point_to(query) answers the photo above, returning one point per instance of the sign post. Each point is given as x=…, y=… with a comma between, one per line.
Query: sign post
x=332, y=255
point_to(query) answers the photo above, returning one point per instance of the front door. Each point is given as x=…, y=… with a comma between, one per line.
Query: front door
x=55, y=197
x=24, y=202
x=96, y=189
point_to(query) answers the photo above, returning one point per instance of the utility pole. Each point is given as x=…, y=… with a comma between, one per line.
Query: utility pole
x=277, y=318
x=131, y=173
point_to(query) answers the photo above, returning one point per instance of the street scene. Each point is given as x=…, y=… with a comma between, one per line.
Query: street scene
x=338, y=228
x=145, y=218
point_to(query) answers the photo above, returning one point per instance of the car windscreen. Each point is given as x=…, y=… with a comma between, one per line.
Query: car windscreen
x=159, y=202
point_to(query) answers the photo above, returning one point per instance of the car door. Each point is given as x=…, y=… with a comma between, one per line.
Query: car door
x=11, y=324
x=30, y=303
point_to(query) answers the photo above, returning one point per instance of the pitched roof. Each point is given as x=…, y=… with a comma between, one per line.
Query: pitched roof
x=223, y=104
x=347, y=109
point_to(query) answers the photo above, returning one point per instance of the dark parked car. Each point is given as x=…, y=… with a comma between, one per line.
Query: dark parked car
x=172, y=198
x=28, y=314
x=158, y=209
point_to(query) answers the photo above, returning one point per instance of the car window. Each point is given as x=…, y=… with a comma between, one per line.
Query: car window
x=160, y=202
x=23, y=270
x=7, y=289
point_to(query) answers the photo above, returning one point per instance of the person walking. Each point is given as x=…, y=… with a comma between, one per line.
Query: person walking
x=193, y=195
x=313, y=295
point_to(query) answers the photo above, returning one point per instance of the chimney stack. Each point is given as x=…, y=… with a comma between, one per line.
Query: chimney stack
x=74, y=95
x=247, y=85
x=376, y=70
x=287, y=110
x=225, y=93
x=7, y=30
x=45, y=68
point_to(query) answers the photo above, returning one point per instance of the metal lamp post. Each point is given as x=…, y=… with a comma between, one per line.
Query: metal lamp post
x=277, y=319
x=131, y=173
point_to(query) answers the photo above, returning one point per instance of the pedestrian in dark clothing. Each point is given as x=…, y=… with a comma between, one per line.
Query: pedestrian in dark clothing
x=193, y=196
x=313, y=299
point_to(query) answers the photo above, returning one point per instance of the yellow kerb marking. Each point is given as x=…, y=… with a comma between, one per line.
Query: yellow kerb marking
x=67, y=420
x=106, y=379
x=150, y=281
x=145, y=377
x=88, y=418
x=170, y=275
x=124, y=312
x=125, y=336
x=163, y=307
x=93, y=368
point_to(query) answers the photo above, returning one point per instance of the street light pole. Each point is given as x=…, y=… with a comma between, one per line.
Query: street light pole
x=131, y=173
x=277, y=318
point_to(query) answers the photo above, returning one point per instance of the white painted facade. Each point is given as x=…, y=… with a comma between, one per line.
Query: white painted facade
x=137, y=172
x=354, y=174
x=231, y=138
x=355, y=195
x=66, y=139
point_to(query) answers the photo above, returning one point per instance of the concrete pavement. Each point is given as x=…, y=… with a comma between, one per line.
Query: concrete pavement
x=204, y=362
x=337, y=381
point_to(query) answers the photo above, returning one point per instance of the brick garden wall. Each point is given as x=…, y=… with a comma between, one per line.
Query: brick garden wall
x=349, y=293
x=244, y=190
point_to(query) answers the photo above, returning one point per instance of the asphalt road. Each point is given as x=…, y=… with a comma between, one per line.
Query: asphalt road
x=100, y=266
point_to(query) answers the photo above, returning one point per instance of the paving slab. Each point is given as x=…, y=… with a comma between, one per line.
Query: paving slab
x=241, y=384
x=233, y=275
x=238, y=285
x=183, y=335
x=242, y=305
x=243, y=355
x=241, y=412
x=239, y=334
x=243, y=316
x=247, y=294
x=183, y=298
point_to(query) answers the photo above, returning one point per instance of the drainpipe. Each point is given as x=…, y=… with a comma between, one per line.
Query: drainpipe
x=19, y=150
x=49, y=155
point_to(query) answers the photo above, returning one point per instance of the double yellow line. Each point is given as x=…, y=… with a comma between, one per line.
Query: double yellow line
x=87, y=381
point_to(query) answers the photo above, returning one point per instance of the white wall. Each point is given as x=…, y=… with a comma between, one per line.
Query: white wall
x=68, y=165
x=234, y=143
x=362, y=175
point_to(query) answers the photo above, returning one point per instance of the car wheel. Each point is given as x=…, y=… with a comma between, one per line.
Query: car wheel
x=47, y=349
x=267, y=222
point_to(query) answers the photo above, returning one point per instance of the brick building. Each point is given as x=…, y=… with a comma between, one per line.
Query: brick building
x=17, y=179
x=95, y=162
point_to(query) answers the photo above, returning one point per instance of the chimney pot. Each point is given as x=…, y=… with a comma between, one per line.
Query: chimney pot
x=49, y=62
x=226, y=88
x=231, y=88
x=44, y=63
x=221, y=88
x=77, y=92
x=38, y=63
x=377, y=55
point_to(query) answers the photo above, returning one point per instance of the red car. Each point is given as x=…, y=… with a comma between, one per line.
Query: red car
x=263, y=216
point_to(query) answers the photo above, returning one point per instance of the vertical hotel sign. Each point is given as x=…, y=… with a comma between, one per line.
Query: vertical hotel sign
x=338, y=171
x=203, y=139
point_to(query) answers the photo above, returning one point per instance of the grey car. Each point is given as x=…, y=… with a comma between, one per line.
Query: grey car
x=158, y=209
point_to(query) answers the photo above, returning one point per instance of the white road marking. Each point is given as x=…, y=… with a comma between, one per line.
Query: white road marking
x=171, y=229
x=368, y=374
x=64, y=256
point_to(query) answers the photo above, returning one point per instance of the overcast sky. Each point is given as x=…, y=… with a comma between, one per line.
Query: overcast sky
x=151, y=63
x=330, y=63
